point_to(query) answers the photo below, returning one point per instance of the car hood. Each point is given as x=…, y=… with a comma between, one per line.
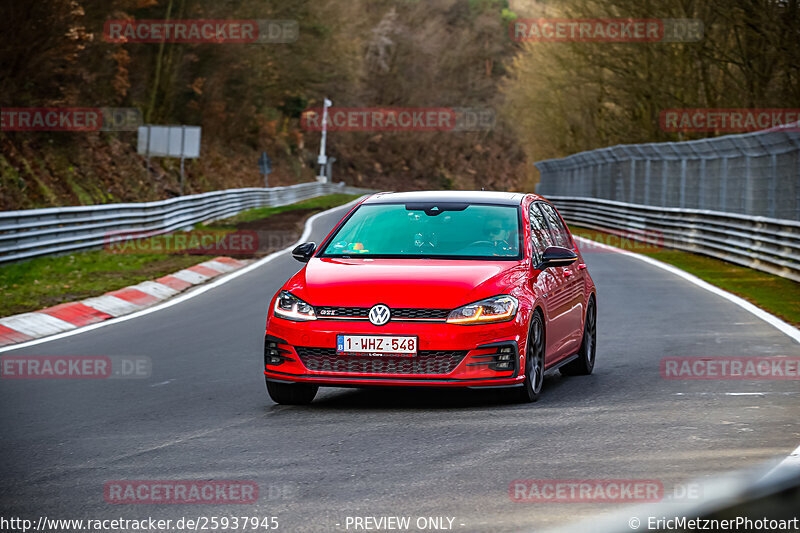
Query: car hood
x=421, y=283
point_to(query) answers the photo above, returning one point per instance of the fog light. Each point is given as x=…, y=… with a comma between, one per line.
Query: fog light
x=505, y=349
x=274, y=360
x=503, y=366
x=504, y=357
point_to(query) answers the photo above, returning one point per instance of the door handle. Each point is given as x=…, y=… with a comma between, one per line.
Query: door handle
x=581, y=266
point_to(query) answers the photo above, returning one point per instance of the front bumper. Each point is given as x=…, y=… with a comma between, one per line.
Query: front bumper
x=448, y=355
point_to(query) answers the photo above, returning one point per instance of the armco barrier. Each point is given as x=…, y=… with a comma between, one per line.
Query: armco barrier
x=37, y=232
x=768, y=244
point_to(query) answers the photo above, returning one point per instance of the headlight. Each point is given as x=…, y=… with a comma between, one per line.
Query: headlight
x=494, y=309
x=291, y=307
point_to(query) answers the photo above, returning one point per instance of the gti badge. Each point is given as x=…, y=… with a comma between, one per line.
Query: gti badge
x=379, y=315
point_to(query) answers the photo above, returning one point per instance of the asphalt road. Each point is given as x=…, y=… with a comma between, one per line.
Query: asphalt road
x=204, y=414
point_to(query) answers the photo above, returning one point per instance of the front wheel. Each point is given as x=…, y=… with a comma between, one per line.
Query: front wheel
x=291, y=393
x=534, y=362
x=584, y=364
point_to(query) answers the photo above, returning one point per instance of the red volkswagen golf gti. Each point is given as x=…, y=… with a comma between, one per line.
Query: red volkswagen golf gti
x=434, y=289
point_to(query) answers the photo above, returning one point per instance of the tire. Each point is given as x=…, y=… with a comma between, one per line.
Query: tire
x=534, y=362
x=584, y=364
x=291, y=393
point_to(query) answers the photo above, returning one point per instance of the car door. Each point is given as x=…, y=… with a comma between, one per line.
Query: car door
x=550, y=284
x=573, y=280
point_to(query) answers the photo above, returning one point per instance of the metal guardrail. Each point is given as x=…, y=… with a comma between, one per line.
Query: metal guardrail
x=767, y=244
x=36, y=232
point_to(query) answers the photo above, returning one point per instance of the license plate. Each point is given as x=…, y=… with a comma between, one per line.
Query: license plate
x=376, y=345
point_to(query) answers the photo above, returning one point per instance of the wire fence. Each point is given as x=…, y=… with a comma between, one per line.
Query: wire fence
x=752, y=174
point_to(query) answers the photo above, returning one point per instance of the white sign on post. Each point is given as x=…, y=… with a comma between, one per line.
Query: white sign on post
x=169, y=141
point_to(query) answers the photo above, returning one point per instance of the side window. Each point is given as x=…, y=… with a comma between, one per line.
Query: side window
x=559, y=232
x=540, y=235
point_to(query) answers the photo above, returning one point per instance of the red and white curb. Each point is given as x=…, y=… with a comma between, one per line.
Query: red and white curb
x=64, y=317
x=174, y=281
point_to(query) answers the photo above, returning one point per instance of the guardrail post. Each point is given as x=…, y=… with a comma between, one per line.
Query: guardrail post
x=682, y=201
x=723, y=184
x=701, y=184
x=584, y=182
x=773, y=185
x=746, y=198
x=797, y=191
x=632, y=181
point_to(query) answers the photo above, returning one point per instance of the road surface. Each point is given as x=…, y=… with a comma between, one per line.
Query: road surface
x=204, y=414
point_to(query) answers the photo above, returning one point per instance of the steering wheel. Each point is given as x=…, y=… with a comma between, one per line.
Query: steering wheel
x=481, y=244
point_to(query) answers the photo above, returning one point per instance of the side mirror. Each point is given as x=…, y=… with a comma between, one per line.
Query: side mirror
x=303, y=252
x=556, y=256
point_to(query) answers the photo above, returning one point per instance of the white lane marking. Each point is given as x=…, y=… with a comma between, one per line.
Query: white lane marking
x=36, y=324
x=770, y=319
x=190, y=277
x=768, y=393
x=158, y=290
x=178, y=299
x=111, y=305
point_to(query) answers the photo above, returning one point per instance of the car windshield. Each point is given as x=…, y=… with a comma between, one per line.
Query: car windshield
x=443, y=230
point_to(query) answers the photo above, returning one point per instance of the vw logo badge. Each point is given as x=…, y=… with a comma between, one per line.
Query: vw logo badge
x=379, y=315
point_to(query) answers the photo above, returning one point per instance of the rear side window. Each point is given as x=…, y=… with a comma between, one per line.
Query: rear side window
x=557, y=229
x=540, y=234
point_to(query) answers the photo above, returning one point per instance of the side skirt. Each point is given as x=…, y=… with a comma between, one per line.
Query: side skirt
x=561, y=363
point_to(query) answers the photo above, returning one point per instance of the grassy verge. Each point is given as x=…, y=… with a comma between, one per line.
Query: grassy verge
x=46, y=281
x=774, y=294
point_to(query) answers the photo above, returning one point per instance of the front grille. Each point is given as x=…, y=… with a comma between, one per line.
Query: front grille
x=397, y=314
x=425, y=362
x=323, y=312
x=420, y=313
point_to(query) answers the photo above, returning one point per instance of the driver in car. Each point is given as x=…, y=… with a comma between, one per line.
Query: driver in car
x=499, y=236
